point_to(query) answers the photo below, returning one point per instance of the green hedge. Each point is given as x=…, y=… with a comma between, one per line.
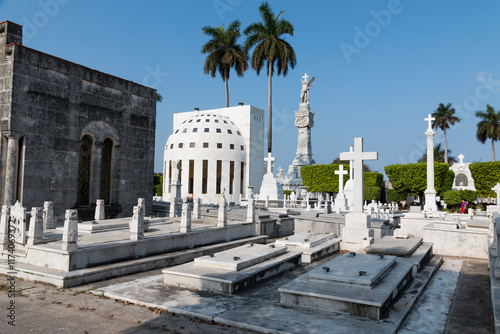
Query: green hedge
x=455, y=197
x=412, y=178
x=322, y=178
x=394, y=196
x=448, y=182
x=486, y=175
x=158, y=184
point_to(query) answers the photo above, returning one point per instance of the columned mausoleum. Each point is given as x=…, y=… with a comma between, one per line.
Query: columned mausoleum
x=217, y=150
x=71, y=134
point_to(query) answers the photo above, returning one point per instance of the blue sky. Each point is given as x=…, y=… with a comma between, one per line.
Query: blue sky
x=380, y=66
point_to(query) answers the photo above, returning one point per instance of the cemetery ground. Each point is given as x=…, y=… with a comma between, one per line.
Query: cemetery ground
x=457, y=300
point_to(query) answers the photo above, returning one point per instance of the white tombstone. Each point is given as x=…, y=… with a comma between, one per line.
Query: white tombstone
x=430, y=192
x=18, y=222
x=99, y=210
x=4, y=227
x=35, y=233
x=497, y=190
x=357, y=232
x=70, y=234
x=48, y=215
x=251, y=211
x=197, y=208
x=186, y=216
x=137, y=224
x=341, y=200
x=270, y=185
x=222, y=217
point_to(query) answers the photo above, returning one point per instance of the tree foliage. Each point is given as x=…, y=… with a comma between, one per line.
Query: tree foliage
x=455, y=197
x=486, y=175
x=158, y=184
x=396, y=197
x=439, y=155
x=488, y=127
x=412, y=178
x=444, y=117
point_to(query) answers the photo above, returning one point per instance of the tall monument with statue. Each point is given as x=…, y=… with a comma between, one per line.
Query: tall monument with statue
x=304, y=121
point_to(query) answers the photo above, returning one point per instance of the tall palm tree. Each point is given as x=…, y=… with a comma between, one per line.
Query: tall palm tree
x=488, y=127
x=444, y=117
x=224, y=53
x=271, y=48
x=439, y=155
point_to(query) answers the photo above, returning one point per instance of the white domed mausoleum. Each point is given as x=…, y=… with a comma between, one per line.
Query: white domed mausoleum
x=216, y=149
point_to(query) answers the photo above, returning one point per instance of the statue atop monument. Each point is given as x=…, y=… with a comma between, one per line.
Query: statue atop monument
x=306, y=86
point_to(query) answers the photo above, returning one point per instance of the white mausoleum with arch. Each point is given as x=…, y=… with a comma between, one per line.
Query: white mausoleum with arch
x=218, y=150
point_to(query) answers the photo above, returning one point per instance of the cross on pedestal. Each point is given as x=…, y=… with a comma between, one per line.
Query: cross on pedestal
x=341, y=172
x=429, y=119
x=461, y=158
x=358, y=156
x=497, y=190
x=270, y=162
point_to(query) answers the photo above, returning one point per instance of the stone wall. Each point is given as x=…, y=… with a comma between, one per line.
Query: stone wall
x=54, y=104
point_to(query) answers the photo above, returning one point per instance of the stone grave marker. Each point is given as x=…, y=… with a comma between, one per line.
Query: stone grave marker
x=18, y=222
x=70, y=234
x=99, y=210
x=48, y=215
x=35, y=234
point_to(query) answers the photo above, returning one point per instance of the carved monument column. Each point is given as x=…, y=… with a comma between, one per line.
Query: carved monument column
x=430, y=192
x=11, y=168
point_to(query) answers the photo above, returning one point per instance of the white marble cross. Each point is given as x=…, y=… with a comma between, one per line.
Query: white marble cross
x=358, y=156
x=461, y=158
x=270, y=162
x=305, y=77
x=497, y=190
x=341, y=172
x=429, y=119
x=350, y=164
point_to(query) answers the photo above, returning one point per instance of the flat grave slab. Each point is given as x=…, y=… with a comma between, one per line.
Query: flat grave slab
x=240, y=257
x=389, y=245
x=364, y=270
x=305, y=240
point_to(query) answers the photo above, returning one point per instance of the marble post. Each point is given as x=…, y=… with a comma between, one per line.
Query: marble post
x=197, y=208
x=430, y=192
x=357, y=232
x=137, y=224
x=99, y=210
x=186, y=216
x=497, y=190
x=222, y=217
x=48, y=215
x=70, y=234
x=4, y=227
x=35, y=233
x=251, y=211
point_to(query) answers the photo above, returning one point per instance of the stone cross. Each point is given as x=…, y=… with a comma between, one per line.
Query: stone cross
x=461, y=158
x=341, y=172
x=358, y=156
x=186, y=216
x=222, y=217
x=497, y=190
x=270, y=162
x=137, y=224
x=351, y=176
x=70, y=234
x=305, y=77
x=35, y=233
x=429, y=119
x=48, y=215
x=99, y=210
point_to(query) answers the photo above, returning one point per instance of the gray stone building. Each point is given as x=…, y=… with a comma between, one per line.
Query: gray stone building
x=71, y=134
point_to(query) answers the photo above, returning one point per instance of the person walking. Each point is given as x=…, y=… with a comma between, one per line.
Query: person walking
x=464, y=206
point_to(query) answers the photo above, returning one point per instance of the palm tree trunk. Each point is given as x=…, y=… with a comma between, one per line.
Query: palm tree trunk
x=493, y=148
x=445, y=148
x=270, y=110
x=227, y=86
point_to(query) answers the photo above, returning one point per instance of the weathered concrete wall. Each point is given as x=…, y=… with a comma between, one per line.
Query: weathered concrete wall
x=56, y=102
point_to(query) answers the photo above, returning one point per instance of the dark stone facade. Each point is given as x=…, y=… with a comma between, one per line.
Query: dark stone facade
x=71, y=134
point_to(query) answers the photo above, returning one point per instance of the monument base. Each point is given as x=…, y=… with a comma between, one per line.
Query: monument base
x=357, y=233
x=271, y=188
x=430, y=201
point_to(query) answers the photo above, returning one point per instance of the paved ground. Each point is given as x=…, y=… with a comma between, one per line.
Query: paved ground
x=42, y=308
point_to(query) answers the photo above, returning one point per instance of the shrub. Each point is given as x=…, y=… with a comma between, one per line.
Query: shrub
x=455, y=197
x=372, y=193
x=486, y=175
x=395, y=196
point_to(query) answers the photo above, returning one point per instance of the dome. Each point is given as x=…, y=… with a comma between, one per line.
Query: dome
x=206, y=136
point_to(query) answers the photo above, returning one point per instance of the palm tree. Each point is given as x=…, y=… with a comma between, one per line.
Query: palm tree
x=488, y=127
x=270, y=47
x=159, y=98
x=439, y=155
x=224, y=53
x=444, y=117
